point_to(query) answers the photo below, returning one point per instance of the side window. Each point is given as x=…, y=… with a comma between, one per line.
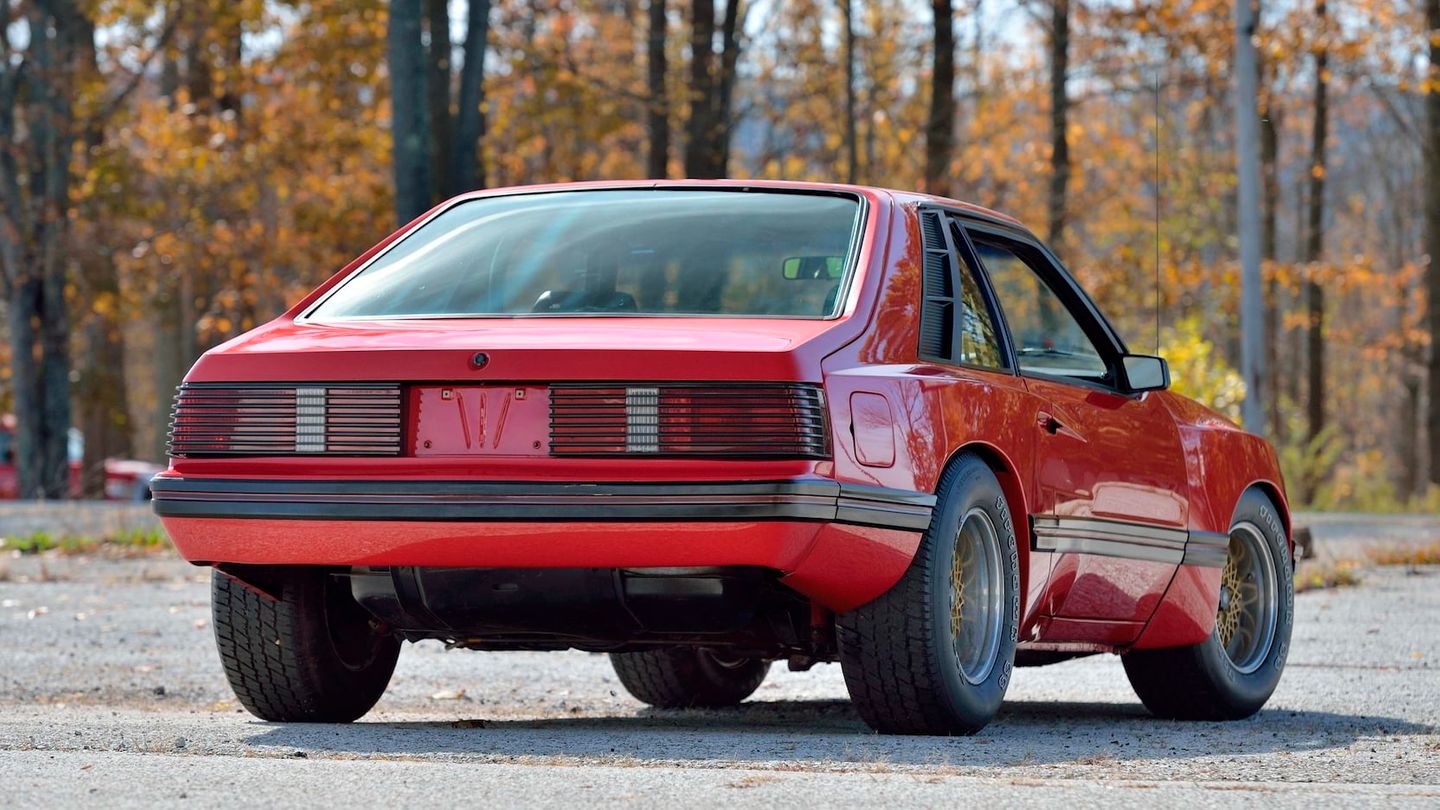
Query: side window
x=1048, y=339
x=955, y=323
x=979, y=340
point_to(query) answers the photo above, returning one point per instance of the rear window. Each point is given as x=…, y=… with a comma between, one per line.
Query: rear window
x=632, y=252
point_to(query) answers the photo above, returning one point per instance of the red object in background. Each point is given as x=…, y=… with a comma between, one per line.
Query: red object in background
x=584, y=442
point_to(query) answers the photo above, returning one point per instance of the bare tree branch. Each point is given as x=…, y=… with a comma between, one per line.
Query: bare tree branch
x=113, y=104
x=1407, y=126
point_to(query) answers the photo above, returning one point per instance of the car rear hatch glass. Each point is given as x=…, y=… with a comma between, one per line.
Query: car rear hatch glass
x=632, y=252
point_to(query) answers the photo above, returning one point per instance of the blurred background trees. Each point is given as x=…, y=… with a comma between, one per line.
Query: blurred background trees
x=172, y=174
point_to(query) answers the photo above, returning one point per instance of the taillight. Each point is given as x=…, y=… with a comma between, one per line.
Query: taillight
x=234, y=419
x=772, y=420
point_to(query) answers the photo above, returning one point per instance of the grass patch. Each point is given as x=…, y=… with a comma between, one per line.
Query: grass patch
x=1428, y=554
x=1320, y=576
x=139, y=538
x=129, y=542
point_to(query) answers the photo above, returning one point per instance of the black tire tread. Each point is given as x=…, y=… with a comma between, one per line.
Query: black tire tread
x=675, y=678
x=1178, y=683
x=893, y=680
x=269, y=657
x=1169, y=683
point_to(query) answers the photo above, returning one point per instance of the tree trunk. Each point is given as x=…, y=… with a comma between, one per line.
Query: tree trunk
x=55, y=417
x=197, y=67
x=468, y=163
x=101, y=397
x=1409, y=449
x=165, y=365
x=409, y=113
x=725, y=89
x=701, y=124
x=1247, y=218
x=1059, y=120
x=658, y=103
x=1315, y=240
x=34, y=217
x=437, y=88
x=23, y=301
x=852, y=146
x=940, y=130
x=1269, y=228
x=1432, y=239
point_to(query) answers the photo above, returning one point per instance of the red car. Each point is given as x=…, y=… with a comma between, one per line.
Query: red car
x=703, y=427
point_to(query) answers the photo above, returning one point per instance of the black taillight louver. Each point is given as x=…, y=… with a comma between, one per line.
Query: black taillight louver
x=256, y=419
x=763, y=420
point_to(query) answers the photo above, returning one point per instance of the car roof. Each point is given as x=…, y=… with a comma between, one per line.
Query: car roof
x=899, y=195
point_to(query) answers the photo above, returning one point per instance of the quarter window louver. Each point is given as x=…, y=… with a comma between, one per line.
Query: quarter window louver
x=937, y=312
x=760, y=421
x=280, y=420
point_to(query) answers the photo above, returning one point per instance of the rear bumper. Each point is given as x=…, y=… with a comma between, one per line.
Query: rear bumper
x=839, y=544
x=504, y=501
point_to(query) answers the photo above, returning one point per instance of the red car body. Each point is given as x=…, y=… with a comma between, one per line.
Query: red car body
x=1120, y=501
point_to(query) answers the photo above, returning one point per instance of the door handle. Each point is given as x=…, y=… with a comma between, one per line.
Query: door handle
x=1048, y=423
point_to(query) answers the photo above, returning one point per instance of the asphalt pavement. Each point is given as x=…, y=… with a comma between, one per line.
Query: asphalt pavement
x=111, y=695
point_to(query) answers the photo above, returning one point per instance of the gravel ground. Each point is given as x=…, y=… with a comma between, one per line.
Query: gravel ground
x=111, y=693
x=75, y=518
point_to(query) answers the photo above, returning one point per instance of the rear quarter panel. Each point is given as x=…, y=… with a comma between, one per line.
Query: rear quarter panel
x=935, y=412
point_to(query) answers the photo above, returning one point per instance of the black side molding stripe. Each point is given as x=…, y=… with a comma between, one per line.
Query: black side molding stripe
x=879, y=506
x=1129, y=540
x=802, y=499
x=1207, y=549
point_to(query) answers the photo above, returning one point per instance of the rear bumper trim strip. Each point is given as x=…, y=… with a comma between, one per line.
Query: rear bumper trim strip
x=790, y=499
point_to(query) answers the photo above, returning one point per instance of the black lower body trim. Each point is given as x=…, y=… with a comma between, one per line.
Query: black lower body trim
x=1129, y=540
x=1207, y=549
x=795, y=499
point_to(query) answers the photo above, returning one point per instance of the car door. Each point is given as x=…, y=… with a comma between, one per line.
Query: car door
x=1109, y=469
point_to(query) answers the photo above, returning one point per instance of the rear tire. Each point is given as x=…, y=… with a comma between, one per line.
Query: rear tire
x=1230, y=675
x=312, y=655
x=934, y=655
x=685, y=677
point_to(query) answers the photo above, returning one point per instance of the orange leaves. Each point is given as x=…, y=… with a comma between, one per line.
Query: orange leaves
x=242, y=209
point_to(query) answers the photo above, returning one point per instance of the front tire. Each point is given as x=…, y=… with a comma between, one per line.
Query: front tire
x=686, y=678
x=934, y=654
x=305, y=652
x=1230, y=675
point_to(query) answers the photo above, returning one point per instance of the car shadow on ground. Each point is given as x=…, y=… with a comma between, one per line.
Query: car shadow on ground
x=831, y=733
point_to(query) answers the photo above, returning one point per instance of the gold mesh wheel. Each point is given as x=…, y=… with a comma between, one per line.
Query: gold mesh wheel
x=977, y=597
x=1249, y=592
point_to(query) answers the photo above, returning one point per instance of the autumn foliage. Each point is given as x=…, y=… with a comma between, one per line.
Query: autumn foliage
x=253, y=158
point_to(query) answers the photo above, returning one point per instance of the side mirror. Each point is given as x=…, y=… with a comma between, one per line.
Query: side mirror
x=1145, y=373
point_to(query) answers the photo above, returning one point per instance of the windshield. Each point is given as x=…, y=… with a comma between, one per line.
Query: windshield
x=632, y=252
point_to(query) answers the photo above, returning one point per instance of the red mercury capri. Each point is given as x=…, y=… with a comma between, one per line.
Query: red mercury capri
x=706, y=426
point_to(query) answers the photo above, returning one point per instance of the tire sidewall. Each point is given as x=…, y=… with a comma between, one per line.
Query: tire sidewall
x=973, y=485
x=1249, y=691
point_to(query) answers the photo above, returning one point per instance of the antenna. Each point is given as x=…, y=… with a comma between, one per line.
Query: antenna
x=1157, y=212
